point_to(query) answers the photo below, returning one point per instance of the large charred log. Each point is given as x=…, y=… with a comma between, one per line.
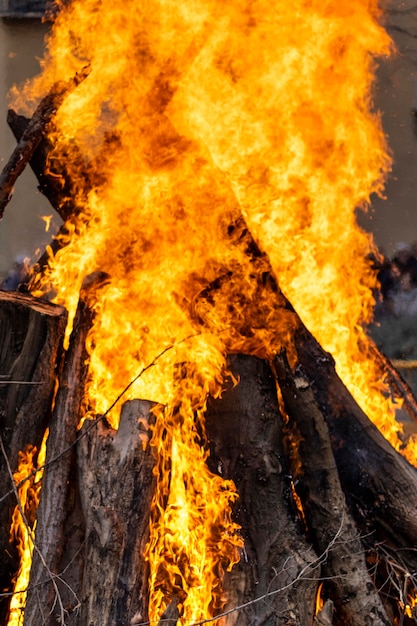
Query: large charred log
x=116, y=483
x=54, y=503
x=329, y=522
x=31, y=337
x=277, y=577
x=379, y=484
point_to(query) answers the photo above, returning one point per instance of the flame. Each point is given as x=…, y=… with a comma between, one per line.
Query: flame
x=47, y=219
x=20, y=533
x=190, y=511
x=319, y=599
x=193, y=114
x=410, y=607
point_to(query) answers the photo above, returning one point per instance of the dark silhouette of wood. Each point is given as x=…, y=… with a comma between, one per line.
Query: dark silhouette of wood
x=54, y=178
x=245, y=431
x=33, y=135
x=52, y=510
x=31, y=337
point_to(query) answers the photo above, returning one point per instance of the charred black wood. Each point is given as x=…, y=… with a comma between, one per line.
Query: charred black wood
x=33, y=134
x=380, y=486
x=330, y=524
x=278, y=569
x=31, y=338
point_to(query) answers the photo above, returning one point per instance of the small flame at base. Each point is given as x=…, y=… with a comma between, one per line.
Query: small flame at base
x=22, y=535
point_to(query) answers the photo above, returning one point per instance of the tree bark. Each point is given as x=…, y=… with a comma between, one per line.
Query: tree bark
x=380, y=484
x=53, y=506
x=116, y=482
x=330, y=524
x=278, y=571
x=31, y=336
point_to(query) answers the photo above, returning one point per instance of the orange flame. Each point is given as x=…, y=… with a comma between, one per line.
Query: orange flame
x=194, y=113
x=319, y=599
x=20, y=533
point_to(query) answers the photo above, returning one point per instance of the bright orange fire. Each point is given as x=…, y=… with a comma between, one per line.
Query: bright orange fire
x=194, y=113
x=20, y=534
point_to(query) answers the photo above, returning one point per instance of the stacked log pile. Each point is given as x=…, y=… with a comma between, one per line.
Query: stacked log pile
x=322, y=496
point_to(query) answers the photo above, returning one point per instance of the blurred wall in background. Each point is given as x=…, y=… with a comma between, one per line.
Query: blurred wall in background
x=392, y=220
x=22, y=230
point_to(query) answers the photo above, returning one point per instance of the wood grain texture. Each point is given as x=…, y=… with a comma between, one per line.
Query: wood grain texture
x=245, y=430
x=31, y=338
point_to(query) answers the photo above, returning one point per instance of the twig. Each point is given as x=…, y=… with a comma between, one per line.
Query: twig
x=9, y=594
x=21, y=382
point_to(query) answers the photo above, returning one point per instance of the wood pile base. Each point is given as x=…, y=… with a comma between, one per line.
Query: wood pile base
x=323, y=496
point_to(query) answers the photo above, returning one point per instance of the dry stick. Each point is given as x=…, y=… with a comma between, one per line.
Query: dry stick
x=33, y=135
x=324, y=503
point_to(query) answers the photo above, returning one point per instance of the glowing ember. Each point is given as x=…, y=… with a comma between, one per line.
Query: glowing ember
x=195, y=113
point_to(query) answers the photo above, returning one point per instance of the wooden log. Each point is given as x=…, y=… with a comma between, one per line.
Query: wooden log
x=352, y=432
x=53, y=506
x=116, y=482
x=31, y=337
x=379, y=484
x=400, y=388
x=329, y=522
x=278, y=571
x=33, y=134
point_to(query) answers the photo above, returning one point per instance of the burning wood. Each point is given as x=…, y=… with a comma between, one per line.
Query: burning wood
x=33, y=135
x=258, y=171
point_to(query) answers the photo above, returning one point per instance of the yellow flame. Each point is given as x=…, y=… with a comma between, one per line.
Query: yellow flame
x=47, y=219
x=20, y=534
x=193, y=114
x=319, y=599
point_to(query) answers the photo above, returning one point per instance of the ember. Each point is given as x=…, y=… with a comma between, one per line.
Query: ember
x=203, y=154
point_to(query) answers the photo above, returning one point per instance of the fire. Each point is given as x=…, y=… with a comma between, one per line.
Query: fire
x=20, y=533
x=179, y=528
x=319, y=599
x=193, y=114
